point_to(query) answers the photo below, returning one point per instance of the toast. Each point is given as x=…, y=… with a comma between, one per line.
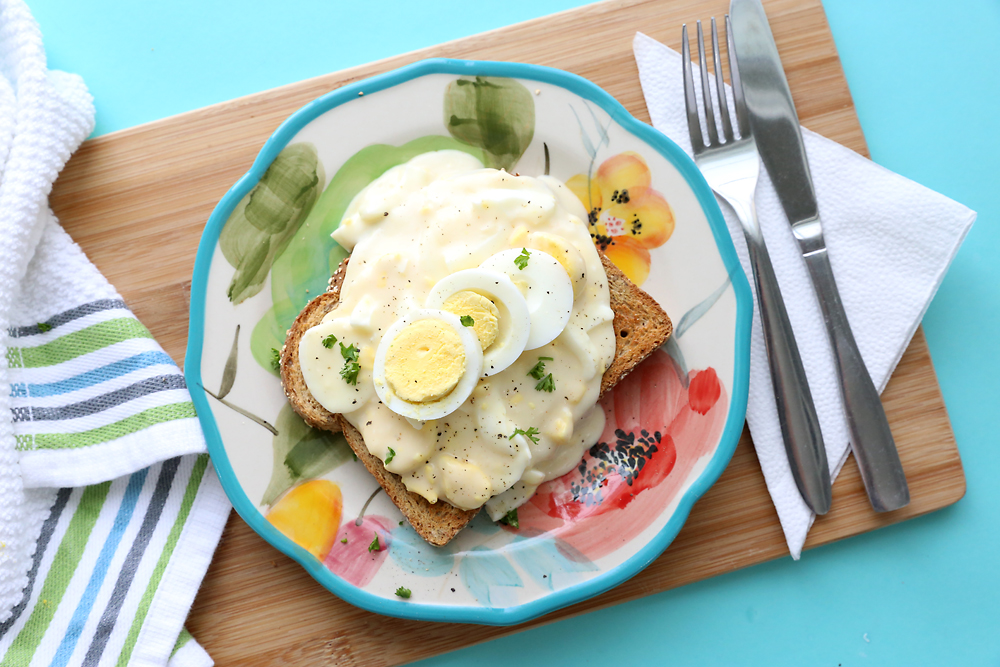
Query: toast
x=640, y=327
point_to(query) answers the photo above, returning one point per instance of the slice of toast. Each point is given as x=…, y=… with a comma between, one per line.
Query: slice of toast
x=640, y=327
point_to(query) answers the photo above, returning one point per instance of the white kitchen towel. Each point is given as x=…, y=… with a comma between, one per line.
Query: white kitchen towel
x=890, y=242
x=109, y=508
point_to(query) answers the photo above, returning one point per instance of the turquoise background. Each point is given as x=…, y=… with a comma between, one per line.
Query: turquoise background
x=925, y=76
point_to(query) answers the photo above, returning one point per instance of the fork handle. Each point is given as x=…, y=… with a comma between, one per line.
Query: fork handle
x=871, y=439
x=796, y=412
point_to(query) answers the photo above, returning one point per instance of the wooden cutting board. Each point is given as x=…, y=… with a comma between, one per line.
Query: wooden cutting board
x=137, y=200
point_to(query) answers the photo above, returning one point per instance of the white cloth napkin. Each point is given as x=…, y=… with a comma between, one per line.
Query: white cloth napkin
x=109, y=508
x=890, y=242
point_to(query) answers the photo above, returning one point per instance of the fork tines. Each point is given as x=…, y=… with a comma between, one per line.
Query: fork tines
x=694, y=119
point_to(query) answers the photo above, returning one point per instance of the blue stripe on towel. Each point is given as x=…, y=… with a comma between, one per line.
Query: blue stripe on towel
x=98, y=404
x=168, y=471
x=82, y=611
x=91, y=377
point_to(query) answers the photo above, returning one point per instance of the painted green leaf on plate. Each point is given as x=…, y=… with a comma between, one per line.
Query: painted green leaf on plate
x=300, y=453
x=492, y=113
x=261, y=226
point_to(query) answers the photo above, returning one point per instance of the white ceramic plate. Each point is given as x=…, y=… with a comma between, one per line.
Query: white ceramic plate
x=672, y=424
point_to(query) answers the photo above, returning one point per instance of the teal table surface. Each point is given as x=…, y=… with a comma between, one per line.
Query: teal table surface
x=925, y=77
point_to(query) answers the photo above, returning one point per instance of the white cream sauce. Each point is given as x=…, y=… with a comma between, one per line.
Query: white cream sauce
x=440, y=213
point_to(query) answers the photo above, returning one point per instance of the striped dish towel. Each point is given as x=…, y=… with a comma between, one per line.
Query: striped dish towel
x=109, y=508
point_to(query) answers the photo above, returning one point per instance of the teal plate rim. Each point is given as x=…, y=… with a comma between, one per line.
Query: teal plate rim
x=558, y=599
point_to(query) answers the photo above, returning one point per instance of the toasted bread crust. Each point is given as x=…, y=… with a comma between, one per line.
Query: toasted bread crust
x=640, y=327
x=435, y=522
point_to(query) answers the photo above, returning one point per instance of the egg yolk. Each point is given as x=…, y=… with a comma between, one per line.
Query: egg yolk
x=425, y=361
x=483, y=312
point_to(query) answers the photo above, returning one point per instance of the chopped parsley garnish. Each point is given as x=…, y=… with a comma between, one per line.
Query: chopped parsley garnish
x=546, y=384
x=467, y=320
x=392, y=455
x=350, y=372
x=538, y=370
x=522, y=259
x=351, y=366
x=510, y=518
x=275, y=359
x=329, y=341
x=374, y=546
x=44, y=326
x=403, y=592
x=530, y=434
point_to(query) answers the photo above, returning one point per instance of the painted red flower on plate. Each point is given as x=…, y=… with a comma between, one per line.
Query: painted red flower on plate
x=658, y=428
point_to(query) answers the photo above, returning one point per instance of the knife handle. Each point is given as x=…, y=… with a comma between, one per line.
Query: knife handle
x=871, y=438
x=796, y=412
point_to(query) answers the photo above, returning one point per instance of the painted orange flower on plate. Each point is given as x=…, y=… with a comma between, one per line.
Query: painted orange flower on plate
x=309, y=515
x=627, y=216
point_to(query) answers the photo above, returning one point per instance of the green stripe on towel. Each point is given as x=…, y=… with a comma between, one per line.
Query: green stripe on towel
x=118, y=429
x=67, y=557
x=182, y=639
x=194, y=482
x=72, y=345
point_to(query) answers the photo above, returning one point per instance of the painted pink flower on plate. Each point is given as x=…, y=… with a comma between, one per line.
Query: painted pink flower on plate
x=353, y=560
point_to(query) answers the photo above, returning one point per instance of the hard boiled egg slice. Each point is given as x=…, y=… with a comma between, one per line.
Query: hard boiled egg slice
x=546, y=287
x=564, y=253
x=498, y=312
x=427, y=364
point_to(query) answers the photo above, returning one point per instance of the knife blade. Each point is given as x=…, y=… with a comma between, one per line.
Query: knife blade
x=775, y=126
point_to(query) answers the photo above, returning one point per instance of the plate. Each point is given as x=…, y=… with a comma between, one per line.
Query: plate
x=672, y=424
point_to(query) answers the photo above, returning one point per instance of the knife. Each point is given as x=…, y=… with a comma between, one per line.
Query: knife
x=775, y=126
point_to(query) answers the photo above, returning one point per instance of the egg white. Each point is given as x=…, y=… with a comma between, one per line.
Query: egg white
x=547, y=290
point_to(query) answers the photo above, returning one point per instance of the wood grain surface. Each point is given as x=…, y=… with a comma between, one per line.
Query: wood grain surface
x=137, y=200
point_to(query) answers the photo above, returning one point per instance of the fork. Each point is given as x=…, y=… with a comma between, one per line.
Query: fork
x=731, y=166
